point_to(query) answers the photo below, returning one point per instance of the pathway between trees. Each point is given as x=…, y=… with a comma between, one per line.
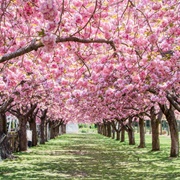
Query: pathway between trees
x=89, y=156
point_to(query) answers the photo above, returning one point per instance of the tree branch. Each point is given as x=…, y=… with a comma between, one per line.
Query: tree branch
x=6, y=104
x=34, y=46
x=173, y=102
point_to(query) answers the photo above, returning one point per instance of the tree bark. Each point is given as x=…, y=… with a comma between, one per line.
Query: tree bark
x=131, y=133
x=64, y=128
x=22, y=133
x=104, y=129
x=98, y=128
x=155, y=130
x=3, y=124
x=117, y=135
x=117, y=128
x=174, y=134
x=170, y=116
x=32, y=124
x=42, y=135
x=142, y=133
x=122, y=134
x=5, y=149
x=108, y=129
x=51, y=131
x=113, y=132
x=45, y=132
x=42, y=126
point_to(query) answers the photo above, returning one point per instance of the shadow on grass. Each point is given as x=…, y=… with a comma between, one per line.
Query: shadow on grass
x=93, y=157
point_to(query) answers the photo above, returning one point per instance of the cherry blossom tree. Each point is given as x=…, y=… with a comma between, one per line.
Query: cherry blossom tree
x=90, y=60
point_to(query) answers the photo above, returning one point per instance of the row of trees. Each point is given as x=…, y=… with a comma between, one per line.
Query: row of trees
x=116, y=128
x=90, y=61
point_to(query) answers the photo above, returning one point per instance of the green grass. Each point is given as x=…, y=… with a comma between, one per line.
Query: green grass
x=92, y=157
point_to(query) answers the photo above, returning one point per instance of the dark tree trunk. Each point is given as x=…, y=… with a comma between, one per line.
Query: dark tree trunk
x=131, y=137
x=155, y=130
x=117, y=135
x=170, y=116
x=42, y=128
x=131, y=133
x=57, y=130
x=22, y=133
x=52, y=130
x=104, y=129
x=45, y=133
x=64, y=128
x=5, y=149
x=113, y=132
x=174, y=134
x=3, y=124
x=122, y=134
x=32, y=124
x=142, y=133
x=109, y=129
x=98, y=128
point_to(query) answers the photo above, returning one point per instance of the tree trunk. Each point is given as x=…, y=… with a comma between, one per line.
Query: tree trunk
x=45, y=133
x=52, y=131
x=3, y=124
x=64, y=128
x=98, y=128
x=113, y=132
x=57, y=130
x=170, y=116
x=42, y=126
x=142, y=133
x=5, y=149
x=145, y=127
x=42, y=136
x=109, y=129
x=117, y=135
x=22, y=133
x=131, y=133
x=155, y=130
x=174, y=134
x=104, y=129
x=32, y=124
x=122, y=134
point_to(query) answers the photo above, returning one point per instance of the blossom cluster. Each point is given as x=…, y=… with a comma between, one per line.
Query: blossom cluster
x=49, y=41
x=49, y=10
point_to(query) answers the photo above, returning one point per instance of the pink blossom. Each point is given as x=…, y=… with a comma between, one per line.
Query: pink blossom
x=78, y=19
x=49, y=10
x=51, y=26
x=49, y=41
x=156, y=6
x=153, y=38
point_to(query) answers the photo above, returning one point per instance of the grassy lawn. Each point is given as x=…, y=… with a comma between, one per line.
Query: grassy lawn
x=92, y=157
